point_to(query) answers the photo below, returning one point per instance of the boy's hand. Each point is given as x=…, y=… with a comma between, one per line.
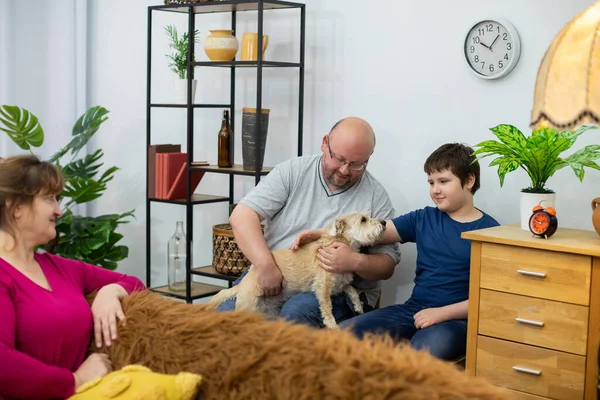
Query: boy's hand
x=429, y=317
x=337, y=258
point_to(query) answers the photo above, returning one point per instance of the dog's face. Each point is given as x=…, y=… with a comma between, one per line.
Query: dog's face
x=358, y=228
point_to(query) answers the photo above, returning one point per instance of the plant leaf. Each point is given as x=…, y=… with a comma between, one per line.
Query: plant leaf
x=22, y=127
x=85, y=127
x=84, y=168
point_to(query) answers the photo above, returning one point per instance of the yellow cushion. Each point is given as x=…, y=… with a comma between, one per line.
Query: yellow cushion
x=136, y=382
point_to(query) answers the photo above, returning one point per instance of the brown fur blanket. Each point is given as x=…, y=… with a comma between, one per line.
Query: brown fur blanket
x=243, y=356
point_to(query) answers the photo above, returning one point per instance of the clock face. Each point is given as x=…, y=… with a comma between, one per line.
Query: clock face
x=539, y=223
x=492, y=49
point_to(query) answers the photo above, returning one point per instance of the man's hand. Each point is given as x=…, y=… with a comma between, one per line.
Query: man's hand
x=337, y=258
x=429, y=317
x=270, y=281
x=306, y=237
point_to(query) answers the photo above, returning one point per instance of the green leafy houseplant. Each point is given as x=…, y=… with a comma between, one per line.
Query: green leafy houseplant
x=538, y=154
x=90, y=239
x=179, y=58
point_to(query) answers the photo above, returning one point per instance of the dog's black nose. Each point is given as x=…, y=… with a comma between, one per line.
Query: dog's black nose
x=383, y=222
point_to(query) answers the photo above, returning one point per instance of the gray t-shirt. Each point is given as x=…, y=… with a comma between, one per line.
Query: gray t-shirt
x=294, y=197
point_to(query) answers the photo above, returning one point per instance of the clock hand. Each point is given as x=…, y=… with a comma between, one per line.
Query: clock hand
x=485, y=45
x=492, y=45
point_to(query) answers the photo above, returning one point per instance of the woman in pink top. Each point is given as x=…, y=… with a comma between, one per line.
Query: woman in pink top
x=45, y=322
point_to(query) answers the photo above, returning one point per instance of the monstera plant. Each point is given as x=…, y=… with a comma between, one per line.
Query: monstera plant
x=90, y=239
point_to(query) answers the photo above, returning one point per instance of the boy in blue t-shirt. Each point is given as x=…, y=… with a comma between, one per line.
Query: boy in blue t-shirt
x=435, y=316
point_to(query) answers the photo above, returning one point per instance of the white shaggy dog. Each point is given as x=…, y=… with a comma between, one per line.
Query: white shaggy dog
x=302, y=272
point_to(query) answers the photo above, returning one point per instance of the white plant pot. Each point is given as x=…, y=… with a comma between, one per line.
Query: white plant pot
x=180, y=86
x=530, y=200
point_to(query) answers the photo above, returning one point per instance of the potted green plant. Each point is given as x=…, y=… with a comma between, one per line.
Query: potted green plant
x=179, y=62
x=90, y=239
x=539, y=155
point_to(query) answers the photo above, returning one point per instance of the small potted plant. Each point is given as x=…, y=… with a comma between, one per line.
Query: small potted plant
x=179, y=62
x=538, y=155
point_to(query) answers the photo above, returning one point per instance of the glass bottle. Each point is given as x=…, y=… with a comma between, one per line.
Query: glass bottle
x=225, y=142
x=176, y=257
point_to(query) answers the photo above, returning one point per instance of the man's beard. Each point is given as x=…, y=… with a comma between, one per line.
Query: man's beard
x=333, y=178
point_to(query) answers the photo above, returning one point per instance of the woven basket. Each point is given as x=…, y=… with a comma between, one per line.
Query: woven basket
x=228, y=259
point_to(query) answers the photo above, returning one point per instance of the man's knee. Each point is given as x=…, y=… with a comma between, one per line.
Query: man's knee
x=303, y=309
x=228, y=305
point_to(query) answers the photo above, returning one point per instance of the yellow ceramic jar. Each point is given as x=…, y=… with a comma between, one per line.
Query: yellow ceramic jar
x=221, y=45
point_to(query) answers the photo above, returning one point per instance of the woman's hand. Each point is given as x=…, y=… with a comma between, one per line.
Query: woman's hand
x=96, y=365
x=106, y=308
x=307, y=237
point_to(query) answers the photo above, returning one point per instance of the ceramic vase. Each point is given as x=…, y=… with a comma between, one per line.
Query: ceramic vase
x=180, y=86
x=221, y=45
x=596, y=214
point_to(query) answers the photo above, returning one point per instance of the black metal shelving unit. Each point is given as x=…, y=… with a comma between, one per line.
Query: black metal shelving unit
x=195, y=290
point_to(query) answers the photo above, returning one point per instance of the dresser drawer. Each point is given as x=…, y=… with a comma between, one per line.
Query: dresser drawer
x=546, y=323
x=538, y=273
x=530, y=369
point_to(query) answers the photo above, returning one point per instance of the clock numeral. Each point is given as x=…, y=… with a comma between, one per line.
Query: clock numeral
x=482, y=64
x=504, y=36
x=481, y=31
x=508, y=46
x=476, y=58
x=498, y=28
x=491, y=68
x=472, y=49
x=500, y=65
x=506, y=56
x=490, y=27
x=476, y=39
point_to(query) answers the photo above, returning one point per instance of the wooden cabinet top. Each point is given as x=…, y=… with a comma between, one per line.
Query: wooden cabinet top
x=566, y=240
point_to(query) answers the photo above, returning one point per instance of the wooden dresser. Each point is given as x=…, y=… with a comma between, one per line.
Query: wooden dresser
x=534, y=311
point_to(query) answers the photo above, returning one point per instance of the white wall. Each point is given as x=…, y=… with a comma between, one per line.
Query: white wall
x=398, y=64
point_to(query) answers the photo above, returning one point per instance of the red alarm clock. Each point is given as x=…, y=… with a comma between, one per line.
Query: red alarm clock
x=543, y=221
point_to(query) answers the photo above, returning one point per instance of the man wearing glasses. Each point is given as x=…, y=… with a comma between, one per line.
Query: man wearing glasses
x=309, y=192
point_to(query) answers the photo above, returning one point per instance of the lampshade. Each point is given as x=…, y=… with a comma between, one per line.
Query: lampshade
x=567, y=88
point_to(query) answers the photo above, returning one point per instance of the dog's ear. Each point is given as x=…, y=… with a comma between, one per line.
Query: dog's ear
x=337, y=227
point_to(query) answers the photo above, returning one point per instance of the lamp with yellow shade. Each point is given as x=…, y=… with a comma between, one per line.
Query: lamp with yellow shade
x=567, y=88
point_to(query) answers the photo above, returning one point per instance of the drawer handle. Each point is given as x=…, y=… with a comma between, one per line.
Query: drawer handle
x=531, y=273
x=527, y=371
x=529, y=322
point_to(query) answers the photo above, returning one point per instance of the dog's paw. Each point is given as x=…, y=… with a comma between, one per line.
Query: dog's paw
x=330, y=323
x=359, y=309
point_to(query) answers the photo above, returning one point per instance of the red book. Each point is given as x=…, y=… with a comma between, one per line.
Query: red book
x=153, y=150
x=178, y=188
x=173, y=163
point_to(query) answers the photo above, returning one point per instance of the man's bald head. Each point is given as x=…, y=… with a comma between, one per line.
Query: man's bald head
x=354, y=131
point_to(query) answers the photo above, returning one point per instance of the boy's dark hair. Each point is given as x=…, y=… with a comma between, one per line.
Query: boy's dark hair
x=458, y=159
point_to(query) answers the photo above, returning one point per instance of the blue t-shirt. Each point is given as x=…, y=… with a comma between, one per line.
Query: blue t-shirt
x=443, y=257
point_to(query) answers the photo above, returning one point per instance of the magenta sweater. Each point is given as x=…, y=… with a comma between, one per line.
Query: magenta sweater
x=44, y=335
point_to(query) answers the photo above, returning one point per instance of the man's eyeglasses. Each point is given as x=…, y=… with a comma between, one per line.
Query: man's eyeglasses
x=355, y=166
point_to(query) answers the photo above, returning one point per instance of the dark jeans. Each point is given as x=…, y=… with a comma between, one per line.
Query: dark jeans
x=446, y=340
x=303, y=308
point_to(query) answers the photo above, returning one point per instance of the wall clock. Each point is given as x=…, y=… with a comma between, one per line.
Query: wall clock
x=492, y=48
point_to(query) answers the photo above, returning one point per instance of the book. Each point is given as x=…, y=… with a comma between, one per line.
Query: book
x=172, y=165
x=153, y=150
x=178, y=189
